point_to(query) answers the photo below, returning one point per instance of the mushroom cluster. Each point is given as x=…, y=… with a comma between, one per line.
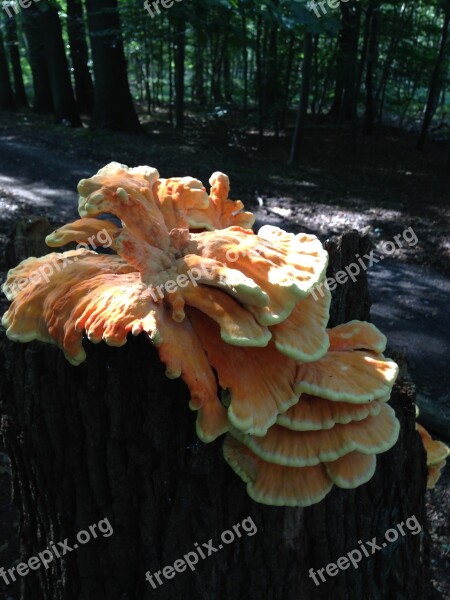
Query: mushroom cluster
x=231, y=312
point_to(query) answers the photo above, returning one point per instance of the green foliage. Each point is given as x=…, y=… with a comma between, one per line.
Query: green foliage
x=251, y=51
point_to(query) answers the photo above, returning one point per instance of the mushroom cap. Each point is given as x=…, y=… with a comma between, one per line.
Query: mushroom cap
x=273, y=484
x=286, y=267
x=434, y=474
x=357, y=376
x=357, y=335
x=259, y=381
x=177, y=197
x=313, y=414
x=437, y=453
x=302, y=336
x=128, y=194
x=372, y=435
x=81, y=231
x=220, y=212
x=352, y=470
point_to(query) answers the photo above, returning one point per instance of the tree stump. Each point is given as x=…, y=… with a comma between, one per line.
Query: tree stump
x=114, y=438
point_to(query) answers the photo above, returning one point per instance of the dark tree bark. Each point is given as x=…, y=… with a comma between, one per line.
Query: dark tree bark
x=217, y=44
x=43, y=101
x=170, y=33
x=370, y=68
x=344, y=95
x=259, y=78
x=114, y=438
x=199, y=92
x=113, y=104
x=6, y=92
x=434, y=90
x=304, y=99
x=287, y=80
x=243, y=15
x=227, y=77
x=179, y=55
x=64, y=106
x=12, y=42
x=79, y=55
x=271, y=97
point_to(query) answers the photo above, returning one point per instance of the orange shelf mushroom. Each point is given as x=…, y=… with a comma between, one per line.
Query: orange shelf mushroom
x=232, y=313
x=437, y=453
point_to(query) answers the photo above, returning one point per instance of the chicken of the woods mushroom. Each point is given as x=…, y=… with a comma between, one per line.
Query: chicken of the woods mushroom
x=304, y=408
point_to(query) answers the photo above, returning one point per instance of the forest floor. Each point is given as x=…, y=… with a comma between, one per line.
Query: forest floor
x=385, y=190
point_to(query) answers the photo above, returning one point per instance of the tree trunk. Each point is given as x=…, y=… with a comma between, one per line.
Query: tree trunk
x=243, y=15
x=390, y=56
x=371, y=62
x=259, y=79
x=113, y=105
x=217, y=53
x=343, y=102
x=114, y=438
x=287, y=81
x=199, y=93
x=271, y=101
x=170, y=74
x=84, y=89
x=12, y=42
x=43, y=102
x=227, y=77
x=6, y=93
x=349, y=107
x=433, y=93
x=304, y=99
x=64, y=107
x=180, y=48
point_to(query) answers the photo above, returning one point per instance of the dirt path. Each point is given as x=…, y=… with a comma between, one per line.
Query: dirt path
x=42, y=178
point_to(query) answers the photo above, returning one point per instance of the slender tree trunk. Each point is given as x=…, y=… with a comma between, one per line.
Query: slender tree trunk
x=328, y=77
x=43, y=101
x=12, y=42
x=315, y=75
x=199, y=93
x=259, y=79
x=6, y=92
x=180, y=50
x=390, y=56
x=349, y=106
x=84, y=89
x=64, y=105
x=113, y=104
x=148, y=76
x=371, y=62
x=218, y=44
x=271, y=83
x=359, y=76
x=244, y=56
x=287, y=81
x=343, y=102
x=227, y=78
x=114, y=438
x=304, y=99
x=170, y=37
x=433, y=93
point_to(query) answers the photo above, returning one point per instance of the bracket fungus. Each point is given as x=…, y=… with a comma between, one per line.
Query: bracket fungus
x=232, y=313
x=437, y=453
